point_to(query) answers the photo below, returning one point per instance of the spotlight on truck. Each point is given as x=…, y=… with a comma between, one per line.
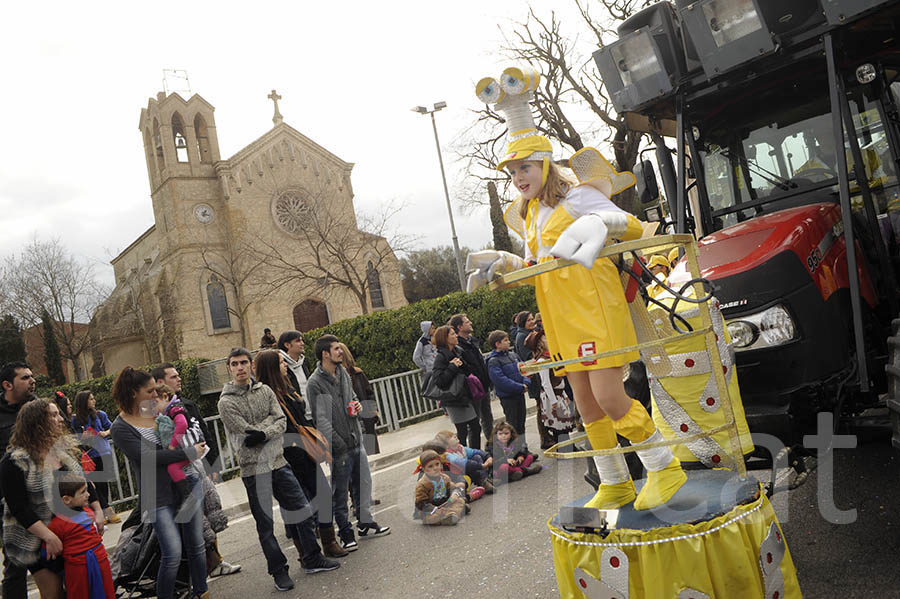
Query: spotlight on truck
x=726, y=33
x=647, y=60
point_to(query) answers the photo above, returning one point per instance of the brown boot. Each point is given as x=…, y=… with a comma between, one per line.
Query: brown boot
x=330, y=545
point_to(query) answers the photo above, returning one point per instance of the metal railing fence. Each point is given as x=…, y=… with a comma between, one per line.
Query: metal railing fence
x=398, y=396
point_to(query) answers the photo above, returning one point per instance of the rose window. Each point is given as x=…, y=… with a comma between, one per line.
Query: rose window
x=291, y=211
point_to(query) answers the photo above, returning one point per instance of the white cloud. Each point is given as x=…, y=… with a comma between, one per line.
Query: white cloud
x=77, y=75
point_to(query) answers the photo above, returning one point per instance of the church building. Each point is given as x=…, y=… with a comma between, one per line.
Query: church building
x=267, y=238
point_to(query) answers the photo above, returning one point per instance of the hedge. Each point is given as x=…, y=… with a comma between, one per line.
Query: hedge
x=102, y=388
x=383, y=342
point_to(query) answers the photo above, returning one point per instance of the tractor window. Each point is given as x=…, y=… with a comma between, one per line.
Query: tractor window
x=876, y=154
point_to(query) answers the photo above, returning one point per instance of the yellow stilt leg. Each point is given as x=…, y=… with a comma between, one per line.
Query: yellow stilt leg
x=664, y=473
x=616, y=488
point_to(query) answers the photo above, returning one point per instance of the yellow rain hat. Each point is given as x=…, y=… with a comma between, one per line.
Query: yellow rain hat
x=525, y=148
x=658, y=260
x=673, y=255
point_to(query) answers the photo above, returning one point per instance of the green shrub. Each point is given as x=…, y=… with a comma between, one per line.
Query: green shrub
x=102, y=388
x=383, y=342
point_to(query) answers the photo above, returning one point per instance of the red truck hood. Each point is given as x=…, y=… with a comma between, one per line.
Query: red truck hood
x=746, y=245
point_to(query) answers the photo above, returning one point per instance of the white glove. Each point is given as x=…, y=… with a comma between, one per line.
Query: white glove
x=487, y=265
x=585, y=238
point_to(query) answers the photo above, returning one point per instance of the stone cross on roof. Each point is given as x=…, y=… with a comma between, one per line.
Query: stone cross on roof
x=277, y=118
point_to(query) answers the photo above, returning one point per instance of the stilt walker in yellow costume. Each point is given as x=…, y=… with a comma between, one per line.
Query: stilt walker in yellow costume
x=583, y=306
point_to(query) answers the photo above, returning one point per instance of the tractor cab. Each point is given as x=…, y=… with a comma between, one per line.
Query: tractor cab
x=787, y=140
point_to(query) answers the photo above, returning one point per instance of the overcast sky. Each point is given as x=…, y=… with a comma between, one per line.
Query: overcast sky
x=76, y=76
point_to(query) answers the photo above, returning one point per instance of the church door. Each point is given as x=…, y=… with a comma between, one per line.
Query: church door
x=309, y=315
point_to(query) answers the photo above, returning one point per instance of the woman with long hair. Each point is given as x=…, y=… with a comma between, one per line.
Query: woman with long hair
x=135, y=434
x=93, y=426
x=38, y=450
x=272, y=370
x=65, y=409
x=447, y=366
x=366, y=396
x=369, y=418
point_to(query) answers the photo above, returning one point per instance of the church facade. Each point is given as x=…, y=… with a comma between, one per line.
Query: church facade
x=267, y=238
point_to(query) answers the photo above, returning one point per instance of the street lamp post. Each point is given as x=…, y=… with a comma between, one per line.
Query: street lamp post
x=459, y=265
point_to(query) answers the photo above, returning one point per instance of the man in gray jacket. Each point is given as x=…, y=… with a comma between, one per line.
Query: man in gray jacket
x=423, y=355
x=254, y=420
x=336, y=411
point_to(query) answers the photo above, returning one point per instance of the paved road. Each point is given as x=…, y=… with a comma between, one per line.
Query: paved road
x=503, y=547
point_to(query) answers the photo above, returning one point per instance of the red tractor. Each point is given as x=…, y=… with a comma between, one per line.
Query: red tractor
x=787, y=141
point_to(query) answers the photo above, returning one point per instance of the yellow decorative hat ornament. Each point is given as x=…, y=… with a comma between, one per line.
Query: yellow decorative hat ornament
x=512, y=96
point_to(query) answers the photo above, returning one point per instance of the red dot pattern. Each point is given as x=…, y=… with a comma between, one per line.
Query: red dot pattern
x=689, y=363
x=724, y=370
x=776, y=595
x=716, y=459
x=614, y=562
x=582, y=582
x=710, y=401
x=684, y=428
x=769, y=558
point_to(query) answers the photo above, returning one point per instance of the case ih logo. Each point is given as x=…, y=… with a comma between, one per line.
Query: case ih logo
x=587, y=349
x=734, y=304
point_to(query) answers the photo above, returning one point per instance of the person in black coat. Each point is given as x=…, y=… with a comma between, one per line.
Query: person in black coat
x=474, y=361
x=448, y=363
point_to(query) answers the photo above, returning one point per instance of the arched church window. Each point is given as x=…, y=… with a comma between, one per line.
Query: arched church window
x=374, y=281
x=218, y=304
x=202, y=133
x=181, y=151
x=310, y=314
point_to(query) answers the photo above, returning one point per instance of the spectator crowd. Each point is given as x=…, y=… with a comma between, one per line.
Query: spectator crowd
x=302, y=436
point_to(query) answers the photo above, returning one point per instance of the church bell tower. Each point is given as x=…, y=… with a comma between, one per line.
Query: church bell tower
x=181, y=149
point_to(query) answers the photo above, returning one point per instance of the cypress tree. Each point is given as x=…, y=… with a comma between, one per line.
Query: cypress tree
x=52, y=355
x=12, y=346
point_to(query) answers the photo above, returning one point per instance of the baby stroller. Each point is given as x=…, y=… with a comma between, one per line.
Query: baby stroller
x=135, y=562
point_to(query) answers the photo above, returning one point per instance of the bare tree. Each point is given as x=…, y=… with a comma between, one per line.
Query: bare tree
x=345, y=251
x=238, y=261
x=570, y=84
x=46, y=276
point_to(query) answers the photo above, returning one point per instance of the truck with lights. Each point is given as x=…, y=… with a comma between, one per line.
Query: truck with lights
x=786, y=130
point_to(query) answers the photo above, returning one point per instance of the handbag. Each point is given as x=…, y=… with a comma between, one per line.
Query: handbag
x=314, y=443
x=475, y=388
x=452, y=396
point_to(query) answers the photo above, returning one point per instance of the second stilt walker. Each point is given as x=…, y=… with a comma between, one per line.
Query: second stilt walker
x=583, y=306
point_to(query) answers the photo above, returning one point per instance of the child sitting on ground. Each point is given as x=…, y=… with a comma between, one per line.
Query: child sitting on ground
x=87, y=572
x=474, y=463
x=473, y=492
x=510, y=385
x=512, y=458
x=172, y=424
x=439, y=499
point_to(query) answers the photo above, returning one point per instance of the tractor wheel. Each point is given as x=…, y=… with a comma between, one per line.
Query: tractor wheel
x=893, y=376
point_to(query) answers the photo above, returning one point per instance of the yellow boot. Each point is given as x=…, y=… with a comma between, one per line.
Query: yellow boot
x=664, y=473
x=616, y=488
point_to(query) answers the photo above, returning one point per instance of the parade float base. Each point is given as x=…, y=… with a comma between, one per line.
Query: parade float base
x=717, y=537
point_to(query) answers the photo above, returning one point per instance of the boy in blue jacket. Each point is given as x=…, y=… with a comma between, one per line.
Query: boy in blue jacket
x=509, y=384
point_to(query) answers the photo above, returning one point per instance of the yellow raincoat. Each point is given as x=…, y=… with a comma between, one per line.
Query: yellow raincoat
x=584, y=311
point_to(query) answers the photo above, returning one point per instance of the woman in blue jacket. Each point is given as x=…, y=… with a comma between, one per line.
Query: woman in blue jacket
x=93, y=426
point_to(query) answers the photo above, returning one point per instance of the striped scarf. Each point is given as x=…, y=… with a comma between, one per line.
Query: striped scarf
x=21, y=546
